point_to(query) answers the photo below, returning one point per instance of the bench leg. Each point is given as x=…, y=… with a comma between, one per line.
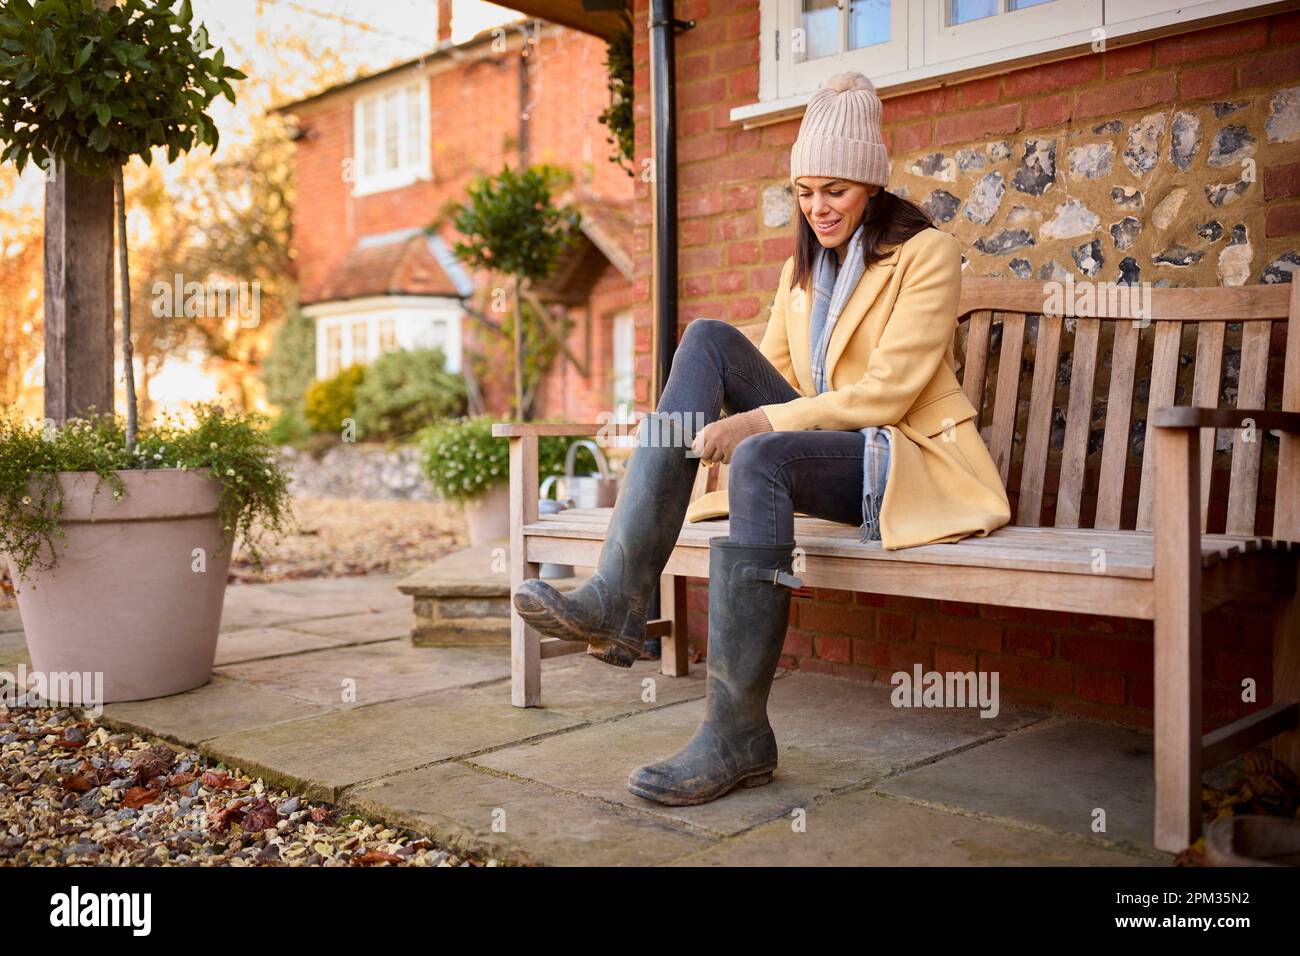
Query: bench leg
x=525, y=643
x=1286, y=660
x=673, y=659
x=1177, y=639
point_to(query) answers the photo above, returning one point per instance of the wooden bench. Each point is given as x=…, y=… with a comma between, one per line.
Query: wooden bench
x=1096, y=529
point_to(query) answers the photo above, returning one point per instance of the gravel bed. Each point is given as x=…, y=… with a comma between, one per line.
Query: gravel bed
x=75, y=793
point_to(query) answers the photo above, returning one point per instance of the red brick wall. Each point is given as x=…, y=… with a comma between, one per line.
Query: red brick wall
x=730, y=265
x=474, y=108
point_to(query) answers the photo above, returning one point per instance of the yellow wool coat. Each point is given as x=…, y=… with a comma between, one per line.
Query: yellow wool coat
x=890, y=363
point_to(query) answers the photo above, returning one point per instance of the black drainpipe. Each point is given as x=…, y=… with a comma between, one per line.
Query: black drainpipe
x=664, y=170
x=663, y=82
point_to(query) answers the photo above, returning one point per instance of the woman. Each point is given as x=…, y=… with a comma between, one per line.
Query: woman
x=849, y=410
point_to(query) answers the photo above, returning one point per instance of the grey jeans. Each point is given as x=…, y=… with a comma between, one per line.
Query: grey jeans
x=773, y=474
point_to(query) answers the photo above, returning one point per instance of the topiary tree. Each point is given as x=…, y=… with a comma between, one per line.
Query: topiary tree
x=512, y=226
x=90, y=85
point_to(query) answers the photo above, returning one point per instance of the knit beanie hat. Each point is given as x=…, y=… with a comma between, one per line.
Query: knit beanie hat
x=839, y=135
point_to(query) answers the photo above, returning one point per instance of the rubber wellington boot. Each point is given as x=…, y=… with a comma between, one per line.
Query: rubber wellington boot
x=609, y=610
x=749, y=605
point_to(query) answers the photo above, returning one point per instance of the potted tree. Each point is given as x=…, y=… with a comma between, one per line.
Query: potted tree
x=129, y=583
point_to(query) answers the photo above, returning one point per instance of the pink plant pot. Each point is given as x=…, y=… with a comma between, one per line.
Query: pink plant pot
x=137, y=587
x=488, y=515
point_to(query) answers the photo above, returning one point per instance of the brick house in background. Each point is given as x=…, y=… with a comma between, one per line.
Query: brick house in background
x=377, y=158
x=1171, y=155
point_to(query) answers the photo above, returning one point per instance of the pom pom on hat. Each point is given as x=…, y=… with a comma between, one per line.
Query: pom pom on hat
x=841, y=82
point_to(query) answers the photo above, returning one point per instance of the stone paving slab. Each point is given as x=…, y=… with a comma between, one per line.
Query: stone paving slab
x=360, y=628
x=234, y=647
x=1054, y=774
x=591, y=690
x=222, y=706
x=832, y=733
x=867, y=829
x=324, y=754
x=13, y=649
x=10, y=621
x=460, y=805
x=373, y=673
x=269, y=605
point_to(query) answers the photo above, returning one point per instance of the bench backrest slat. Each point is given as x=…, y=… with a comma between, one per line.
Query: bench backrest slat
x=1119, y=414
x=1078, y=421
x=1164, y=389
x=1007, y=398
x=1038, y=428
x=1251, y=393
x=1205, y=393
x=977, y=357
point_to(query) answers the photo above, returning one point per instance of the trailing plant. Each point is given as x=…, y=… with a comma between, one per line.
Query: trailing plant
x=618, y=116
x=232, y=447
x=463, y=459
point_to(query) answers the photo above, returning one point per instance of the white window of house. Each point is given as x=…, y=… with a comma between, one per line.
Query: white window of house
x=333, y=360
x=904, y=43
x=387, y=335
x=391, y=137
x=623, y=374
x=360, y=343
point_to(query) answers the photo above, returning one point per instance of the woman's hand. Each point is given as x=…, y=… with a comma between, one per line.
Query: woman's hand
x=716, y=441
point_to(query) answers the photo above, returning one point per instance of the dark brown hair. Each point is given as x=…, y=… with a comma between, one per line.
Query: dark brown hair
x=888, y=221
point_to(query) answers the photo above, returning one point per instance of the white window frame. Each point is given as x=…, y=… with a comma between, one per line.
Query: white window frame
x=408, y=170
x=936, y=52
x=623, y=366
x=415, y=319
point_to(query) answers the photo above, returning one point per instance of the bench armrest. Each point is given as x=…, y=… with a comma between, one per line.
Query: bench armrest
x=1183, y=416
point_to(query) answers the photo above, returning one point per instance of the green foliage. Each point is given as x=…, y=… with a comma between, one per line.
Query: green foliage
x=233, y=447
x=289, y=428
x=540, y=348
x=406, y=390
x=290, y=365
x=511, y=224
x=328, y=402
x=95, y=87
x=618, y=115
x=462, y=459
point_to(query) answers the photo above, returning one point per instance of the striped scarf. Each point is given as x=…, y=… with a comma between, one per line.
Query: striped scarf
x=833, y=283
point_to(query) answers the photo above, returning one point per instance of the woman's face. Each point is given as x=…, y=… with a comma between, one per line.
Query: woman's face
x=833, y=207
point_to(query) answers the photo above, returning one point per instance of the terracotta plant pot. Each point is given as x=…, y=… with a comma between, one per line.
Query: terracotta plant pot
x=489, y=515
x=126, y=596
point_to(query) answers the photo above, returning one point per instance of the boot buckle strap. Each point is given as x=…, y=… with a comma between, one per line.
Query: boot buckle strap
x=775, y=576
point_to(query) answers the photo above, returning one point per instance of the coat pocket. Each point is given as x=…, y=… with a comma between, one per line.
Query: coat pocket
x=939, y=414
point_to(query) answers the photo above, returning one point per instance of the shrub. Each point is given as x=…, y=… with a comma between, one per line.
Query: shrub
x=462, y=459
x=406, y=390
x=328, y=402
x=288, y=428
x=290, y=365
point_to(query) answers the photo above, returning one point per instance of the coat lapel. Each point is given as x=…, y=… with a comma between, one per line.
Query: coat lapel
x=873, y=279
x=798, y=316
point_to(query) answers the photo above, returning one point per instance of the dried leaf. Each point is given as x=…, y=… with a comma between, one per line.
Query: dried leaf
x=261, y=816
x=375, y=856
x=137, y=797
x=180, y=779
x=77, y=783
x=321, y=814
x=215, y=779
x=222, y=819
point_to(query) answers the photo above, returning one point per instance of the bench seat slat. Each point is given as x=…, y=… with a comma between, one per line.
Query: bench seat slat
x=1128, y=554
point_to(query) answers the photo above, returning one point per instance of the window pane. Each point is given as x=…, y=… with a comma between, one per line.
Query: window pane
x=821, y=29
x=333, y=350
x=1023, y=4
x=392, y=130
x=387, y=335
x=369, y=136
x=964, y=11
x=414, y=128
x=360, y=343
x=868, y=23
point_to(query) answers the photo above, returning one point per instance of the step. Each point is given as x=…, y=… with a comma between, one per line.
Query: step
x=463, y=598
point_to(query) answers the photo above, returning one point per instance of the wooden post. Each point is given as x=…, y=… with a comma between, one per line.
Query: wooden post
x=525, y=643
x=78, y=294
x=1177, y=507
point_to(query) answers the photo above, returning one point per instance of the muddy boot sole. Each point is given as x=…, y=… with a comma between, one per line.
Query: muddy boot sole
x=541, y=608
x=754, y=778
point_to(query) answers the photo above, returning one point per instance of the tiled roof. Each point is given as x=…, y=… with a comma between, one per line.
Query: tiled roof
x=395, y=264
